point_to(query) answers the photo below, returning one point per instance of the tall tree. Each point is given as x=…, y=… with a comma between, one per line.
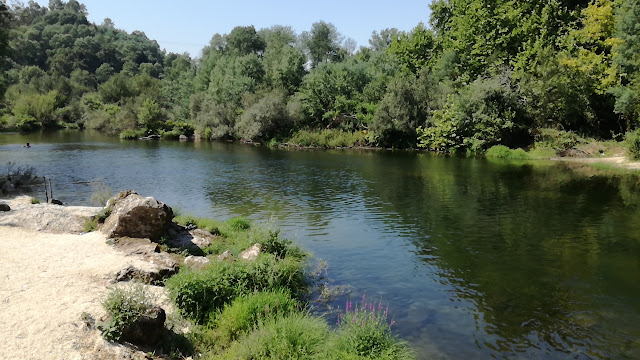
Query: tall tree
x=322, y=43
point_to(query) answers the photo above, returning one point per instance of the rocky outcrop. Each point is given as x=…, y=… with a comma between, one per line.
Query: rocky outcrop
x=196, y=262
x=251, y=253
x=147, y=329
x=136, y=216
x=190, y=239
x=154, y=276
x=5, y=207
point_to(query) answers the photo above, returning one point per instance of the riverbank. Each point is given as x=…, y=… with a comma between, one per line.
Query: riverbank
x=50, y=275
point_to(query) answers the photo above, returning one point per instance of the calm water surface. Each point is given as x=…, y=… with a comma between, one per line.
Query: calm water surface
x=477, y=259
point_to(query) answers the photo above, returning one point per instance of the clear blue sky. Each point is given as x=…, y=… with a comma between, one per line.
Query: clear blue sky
x=188, y=25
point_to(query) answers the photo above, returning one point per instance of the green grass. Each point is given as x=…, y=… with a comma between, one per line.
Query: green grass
x=330, y=138
x=297, y=336
x=35, y=200
x=92, y=223
x=245, y=312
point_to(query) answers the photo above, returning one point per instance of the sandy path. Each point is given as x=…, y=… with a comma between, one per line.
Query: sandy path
x=619, y=161
x=46, y=282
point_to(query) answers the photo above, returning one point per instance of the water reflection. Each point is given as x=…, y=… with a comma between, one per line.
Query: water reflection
x=477, y=259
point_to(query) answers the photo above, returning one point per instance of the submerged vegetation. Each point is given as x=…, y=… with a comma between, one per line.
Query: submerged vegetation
x=477, y=76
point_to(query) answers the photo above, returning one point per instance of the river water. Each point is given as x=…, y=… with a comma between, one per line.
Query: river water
x=476, y=258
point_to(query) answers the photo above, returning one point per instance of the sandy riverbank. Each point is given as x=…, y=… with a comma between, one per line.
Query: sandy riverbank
x=48, y=280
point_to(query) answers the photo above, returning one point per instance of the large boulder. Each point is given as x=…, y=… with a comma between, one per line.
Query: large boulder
x=5, y=207
x=136, y=216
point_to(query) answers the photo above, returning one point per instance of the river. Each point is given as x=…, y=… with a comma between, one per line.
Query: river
x=476, y=258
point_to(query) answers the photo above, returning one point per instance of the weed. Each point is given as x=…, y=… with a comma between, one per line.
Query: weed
x=239, y=223
x=364, y=331
x=329, y=138
x=124, y=306
x=35, y=200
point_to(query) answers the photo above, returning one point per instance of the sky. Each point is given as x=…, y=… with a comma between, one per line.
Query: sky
x=188, y=25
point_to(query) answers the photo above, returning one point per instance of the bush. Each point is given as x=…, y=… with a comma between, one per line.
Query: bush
x=297, y=336
x=35, y=200
x=124, y=306
x=558, y=140
x=264, y=119
x=328, y=138
x=364, y=332
x=131, y=134
x=170, y=135
x=101, y=193
x=633, y=144
x=198, y=293
x=503, y=152
x=244, y=313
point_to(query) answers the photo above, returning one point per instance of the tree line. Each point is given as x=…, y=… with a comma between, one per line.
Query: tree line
x=481, y=73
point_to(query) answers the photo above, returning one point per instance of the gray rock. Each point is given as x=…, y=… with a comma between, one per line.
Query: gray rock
x=197, y=262
x=147, y=329
x=227, y=255
x=138, y=217
x=154, y=276
x=4, y=207
x=183, y=138
x=251, y=253
x=55, y=202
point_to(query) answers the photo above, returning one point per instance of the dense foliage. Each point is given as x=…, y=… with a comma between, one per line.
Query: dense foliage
x=483, y=73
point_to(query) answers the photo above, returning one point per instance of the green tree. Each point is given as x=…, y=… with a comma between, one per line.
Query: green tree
x=150, y=116
x=244, y=40
x=322, y=43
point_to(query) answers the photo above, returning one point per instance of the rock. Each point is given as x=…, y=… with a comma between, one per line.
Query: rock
x=192, y=240
x=135, y=216
x=183, y=138
x=4, y=207
x=153, y=276
x=197, y=262
x=147, y=329
x=251, y=253
x=55, y=202
x=135, y=246
x=227, y=255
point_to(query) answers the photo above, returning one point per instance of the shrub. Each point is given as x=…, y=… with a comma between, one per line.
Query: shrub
x=101, y=193
x=559, y=140
x=297, y=336
x=329, y=138
x=503, y=152
x=35, y=200
x=124, y=306
x=633, y=144
x=244, y=313
x=131, y=134
x=365, y=332
x=197, y=294
x=170, y=135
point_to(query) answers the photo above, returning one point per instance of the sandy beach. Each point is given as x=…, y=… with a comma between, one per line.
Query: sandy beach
x=48, y=279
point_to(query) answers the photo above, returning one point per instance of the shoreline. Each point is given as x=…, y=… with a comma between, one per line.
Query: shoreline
x=49, y=280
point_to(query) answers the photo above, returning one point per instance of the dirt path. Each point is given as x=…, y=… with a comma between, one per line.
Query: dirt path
x=620, y=161
x=47, y=281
